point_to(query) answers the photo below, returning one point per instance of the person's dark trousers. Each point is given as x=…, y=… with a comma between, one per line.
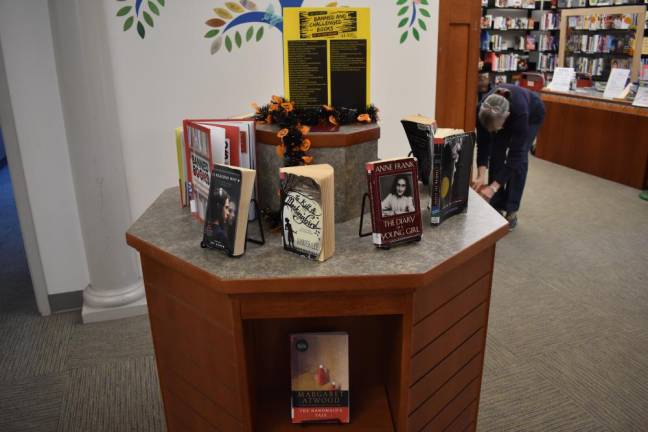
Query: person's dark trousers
x=509, y=196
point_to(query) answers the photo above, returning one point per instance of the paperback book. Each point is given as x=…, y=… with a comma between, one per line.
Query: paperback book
x=451, y=171
x=319, y=365
x=308, y=210
x=226, y=218
x=394, y=199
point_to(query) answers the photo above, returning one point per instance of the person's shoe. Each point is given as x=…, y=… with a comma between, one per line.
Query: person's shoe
x=512, y=220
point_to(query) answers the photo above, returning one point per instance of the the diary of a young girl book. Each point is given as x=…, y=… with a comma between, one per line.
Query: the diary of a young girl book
x=308, y=210
x=319, y=365
x=394, y=199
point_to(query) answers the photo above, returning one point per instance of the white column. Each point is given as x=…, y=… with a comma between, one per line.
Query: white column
x=87, y=91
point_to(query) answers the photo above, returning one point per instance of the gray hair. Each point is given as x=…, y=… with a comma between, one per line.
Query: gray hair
x=493, y=110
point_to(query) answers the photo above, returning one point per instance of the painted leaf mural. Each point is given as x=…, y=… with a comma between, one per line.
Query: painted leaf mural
x=140, y=12
x=411, y=17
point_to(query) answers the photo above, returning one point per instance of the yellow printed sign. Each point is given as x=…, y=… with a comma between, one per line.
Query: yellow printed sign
x=327, y=56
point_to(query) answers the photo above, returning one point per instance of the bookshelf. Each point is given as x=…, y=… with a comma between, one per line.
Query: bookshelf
x=594, y=40
x=417, y=323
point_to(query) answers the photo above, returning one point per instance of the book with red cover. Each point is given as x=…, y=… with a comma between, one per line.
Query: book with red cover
x=394, y=198
x=319, y=366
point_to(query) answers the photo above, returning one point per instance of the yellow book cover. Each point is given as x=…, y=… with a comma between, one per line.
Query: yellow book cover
x=327, y=56
x=182, y=173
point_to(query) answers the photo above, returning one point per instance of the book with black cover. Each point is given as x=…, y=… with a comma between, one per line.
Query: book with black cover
x=451, y=170
x=308, y=210
x=394, y=198
x=420, y=133
x=226, y=218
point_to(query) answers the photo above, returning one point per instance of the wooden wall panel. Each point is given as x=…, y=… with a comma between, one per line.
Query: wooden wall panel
x=457, y=65
x=429, y=298
x=450, y=313
x=465, y=421
x=605, y=143
x=427, y=359
x=455, y=408
x=437, y=403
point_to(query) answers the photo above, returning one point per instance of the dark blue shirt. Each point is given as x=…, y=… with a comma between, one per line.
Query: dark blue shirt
x=526, y=108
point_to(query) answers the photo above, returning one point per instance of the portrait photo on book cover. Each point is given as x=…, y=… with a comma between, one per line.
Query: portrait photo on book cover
x=396, y=194
x=220, y=220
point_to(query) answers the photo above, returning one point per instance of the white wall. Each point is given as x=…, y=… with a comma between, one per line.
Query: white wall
x=26, y=39
x=171, y=75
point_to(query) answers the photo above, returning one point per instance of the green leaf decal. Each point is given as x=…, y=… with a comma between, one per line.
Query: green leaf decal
x=148, y=19
x=400, y=2
x=249, y=34
x=123, y=11
x=424, y=12
x=140, y=29
x=403, y=37
x=128, y=23
x=415, y=33
x=161, y=2
x=228, y=44
x=154, y=8
x=212, y=33
x=403, y=10
x=403, y=22
x=422, y=24
x=238, y=39
x=259, y=34
x=425, y=2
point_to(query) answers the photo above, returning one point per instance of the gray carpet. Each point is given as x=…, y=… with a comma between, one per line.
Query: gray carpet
x=567, y=342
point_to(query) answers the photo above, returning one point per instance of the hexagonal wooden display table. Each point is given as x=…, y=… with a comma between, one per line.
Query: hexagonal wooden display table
x=416, y=316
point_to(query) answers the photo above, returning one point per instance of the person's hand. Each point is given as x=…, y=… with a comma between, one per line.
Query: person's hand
x=486, y=192
x=478, y=182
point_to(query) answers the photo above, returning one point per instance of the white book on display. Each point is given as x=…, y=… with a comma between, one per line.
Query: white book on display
x=562, y=79
x=616, y=83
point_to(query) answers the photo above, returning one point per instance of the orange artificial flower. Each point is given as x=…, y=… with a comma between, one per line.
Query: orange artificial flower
x=304, y=130
x=328, y=108
x=332, y=120
x=256, y=108
x=281, y=150
x=364, y=118
x=288, y=106
x=277, y=99
x=307, y=159
x=282, y=133
x=274, y=107
x=305, y=145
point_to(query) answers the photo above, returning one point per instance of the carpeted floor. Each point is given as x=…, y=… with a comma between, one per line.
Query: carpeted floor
x=567, y=341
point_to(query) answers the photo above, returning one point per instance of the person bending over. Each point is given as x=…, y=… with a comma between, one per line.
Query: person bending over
x=509, y=120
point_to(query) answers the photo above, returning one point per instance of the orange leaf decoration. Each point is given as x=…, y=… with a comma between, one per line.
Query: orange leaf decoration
x=269, y=119
x=282, y=133
x=332, y=120
x=256, y=108
x=281, y=150
x=364, y=118
x=288, y=106
x=328, y=108
x=305, y=145
x=274, y=107
x=304, y=130
x=277, y=99
x=215, y=22
x=307, y=159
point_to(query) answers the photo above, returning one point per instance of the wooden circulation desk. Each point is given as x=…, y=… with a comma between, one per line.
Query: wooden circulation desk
x=416, y=316
x=606, y=138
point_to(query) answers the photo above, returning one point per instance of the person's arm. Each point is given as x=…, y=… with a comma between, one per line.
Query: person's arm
x=483, y=154
x=386, y=205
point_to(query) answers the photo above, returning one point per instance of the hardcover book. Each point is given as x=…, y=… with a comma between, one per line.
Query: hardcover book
x=226, y=218
x=308, y=210
x=451, y=171
x=319, y=365
x=420, y=134
x=182, y=167
x=394, y=200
